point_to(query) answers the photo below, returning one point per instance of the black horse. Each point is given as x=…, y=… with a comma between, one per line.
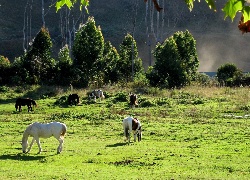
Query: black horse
x=23, y=102
x=73, y=99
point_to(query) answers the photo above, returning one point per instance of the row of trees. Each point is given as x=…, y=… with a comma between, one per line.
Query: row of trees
x=94, y=60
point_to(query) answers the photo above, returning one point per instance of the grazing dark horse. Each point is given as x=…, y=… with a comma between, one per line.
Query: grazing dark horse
x=73, y=99
x=23, y=102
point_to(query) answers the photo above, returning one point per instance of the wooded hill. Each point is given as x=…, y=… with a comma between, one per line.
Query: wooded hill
x=218, y=40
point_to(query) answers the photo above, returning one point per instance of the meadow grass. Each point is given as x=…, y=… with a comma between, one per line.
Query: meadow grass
x=190, y=133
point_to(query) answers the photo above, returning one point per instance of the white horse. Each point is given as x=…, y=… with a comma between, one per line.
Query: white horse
x=37, y=130
x=131, y=124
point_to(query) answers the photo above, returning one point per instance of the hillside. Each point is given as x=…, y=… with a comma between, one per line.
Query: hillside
x=218, y=40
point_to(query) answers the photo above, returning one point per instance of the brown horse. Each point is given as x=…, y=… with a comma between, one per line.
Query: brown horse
x=23, y=102
x=133, y=100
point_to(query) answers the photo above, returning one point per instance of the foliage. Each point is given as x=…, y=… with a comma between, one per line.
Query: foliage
x=20, y=74
x=129, y=63
x=176, y=62
x=121, y=97
x=186, y=45
x=4, y=89
x=37, y=61
x=245, y=79
x=202, y=79
x=108, y=64
x=226, y=74
x=231, y=8
x=87, y=51
x=64, y=67
x=62, y=101
x=140, y=81
x=4, y=70
x=147, y=103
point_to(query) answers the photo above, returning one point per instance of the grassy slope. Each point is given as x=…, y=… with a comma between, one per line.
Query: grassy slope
x=181, y=140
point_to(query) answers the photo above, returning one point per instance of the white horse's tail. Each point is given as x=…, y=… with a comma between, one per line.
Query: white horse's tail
x=64, y=130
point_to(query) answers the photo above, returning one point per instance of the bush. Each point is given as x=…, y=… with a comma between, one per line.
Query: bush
x=62, y=101
x=147, y=103
x=4, y=89
x=229, y=75
x=4, y=70
x=121, y=97
x=202, y=79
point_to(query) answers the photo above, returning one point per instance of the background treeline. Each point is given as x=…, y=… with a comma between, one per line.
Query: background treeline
x=94, y=60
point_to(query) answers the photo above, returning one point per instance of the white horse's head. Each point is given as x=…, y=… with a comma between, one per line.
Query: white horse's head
x=24, y=145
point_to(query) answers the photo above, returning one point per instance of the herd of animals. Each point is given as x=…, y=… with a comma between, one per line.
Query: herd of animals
x=58, y=130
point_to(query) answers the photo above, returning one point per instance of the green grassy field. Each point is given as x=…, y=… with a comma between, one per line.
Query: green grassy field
x=191, y=133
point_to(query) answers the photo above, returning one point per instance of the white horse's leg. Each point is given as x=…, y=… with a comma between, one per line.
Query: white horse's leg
x=128, y=135
x=60, y=147
x=31, y=144
x=39, y=145
x=125, y=134
x=134, y=136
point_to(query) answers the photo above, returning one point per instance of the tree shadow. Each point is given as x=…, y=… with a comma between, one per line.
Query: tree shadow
x=22, y=157
x=117, y=144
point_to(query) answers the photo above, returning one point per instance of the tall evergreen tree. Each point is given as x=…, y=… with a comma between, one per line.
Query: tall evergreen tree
x=129, y=63
x=38, y=61
x=87, y=51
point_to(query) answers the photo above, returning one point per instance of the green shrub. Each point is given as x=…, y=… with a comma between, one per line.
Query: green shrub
x=4, y=89
x=121, y=97
x=147, y=103
x=62, y=101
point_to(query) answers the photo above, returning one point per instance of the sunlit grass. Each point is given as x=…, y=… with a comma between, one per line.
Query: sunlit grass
x=186, y=135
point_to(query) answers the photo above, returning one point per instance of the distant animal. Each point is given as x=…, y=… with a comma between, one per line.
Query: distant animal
x=97, y=93
x=133, y=100
x=39, y=130
x=23, y=102
x=133, y=125
x=73, y=99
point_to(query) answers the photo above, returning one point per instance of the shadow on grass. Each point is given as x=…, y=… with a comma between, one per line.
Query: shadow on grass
x=117, y=144
x=21, y=157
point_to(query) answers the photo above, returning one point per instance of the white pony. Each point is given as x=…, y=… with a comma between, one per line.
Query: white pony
x=37, y=130
x=131, y=124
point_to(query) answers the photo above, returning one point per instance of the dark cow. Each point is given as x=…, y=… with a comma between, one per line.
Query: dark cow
x=25, y=102
x=73, y=99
